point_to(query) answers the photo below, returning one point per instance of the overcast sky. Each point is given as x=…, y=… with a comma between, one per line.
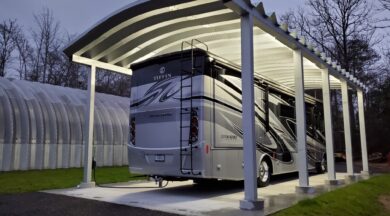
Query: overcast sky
x=76, y=16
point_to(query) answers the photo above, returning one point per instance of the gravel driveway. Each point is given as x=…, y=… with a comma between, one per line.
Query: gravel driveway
x=43, y=204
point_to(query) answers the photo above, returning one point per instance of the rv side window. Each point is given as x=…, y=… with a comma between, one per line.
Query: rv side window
x=287, y=111
x=310, y=120
x=218, y=73
x=292, y=126
x=266, y=107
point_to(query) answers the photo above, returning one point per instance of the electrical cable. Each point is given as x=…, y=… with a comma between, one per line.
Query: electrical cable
x=119, y=187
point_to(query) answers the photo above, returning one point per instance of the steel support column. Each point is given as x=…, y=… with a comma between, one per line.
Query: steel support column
x=362, y=127
x=301, y=123
x=88, y=130
x=347, y=127
x=328, y=125
x=250, y=201
x=330, y=163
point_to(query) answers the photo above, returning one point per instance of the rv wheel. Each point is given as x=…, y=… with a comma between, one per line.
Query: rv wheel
x=264, y=174
x=321, y=166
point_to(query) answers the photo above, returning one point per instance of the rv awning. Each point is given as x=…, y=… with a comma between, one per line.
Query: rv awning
x=148, y=28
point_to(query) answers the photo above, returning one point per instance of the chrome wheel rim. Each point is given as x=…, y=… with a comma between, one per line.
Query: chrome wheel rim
x=323, y=164
x=264, y=171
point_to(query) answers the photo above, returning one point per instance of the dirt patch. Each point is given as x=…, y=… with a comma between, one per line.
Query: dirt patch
x=385, y=201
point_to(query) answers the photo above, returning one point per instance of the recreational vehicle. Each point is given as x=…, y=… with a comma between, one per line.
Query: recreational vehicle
x=186, y=121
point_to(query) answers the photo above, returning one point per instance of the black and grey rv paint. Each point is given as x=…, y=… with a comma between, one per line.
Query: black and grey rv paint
x=154, y=146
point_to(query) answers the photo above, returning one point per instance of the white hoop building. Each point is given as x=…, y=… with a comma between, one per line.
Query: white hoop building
x=42, y=127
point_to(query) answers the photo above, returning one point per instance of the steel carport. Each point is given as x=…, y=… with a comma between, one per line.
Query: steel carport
x=147, y=28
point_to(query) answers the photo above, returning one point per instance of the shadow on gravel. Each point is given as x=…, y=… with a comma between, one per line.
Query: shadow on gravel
x=43, y=204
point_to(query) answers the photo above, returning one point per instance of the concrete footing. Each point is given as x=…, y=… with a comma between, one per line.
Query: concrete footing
x=305, y=190
x=86, y=185
x=252, y=205
x=334, y=182
x=353, y=178
x=365, y=174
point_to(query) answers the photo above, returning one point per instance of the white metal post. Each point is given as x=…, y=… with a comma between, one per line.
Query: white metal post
x=362, y=127
x=301, y=123
x=328, y=129
x=250, y=201
x=328, y=125
x=347, y=127
x=88, y=130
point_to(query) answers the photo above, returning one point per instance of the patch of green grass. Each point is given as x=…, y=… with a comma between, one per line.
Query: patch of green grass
x=36, y=180
x=357, y=199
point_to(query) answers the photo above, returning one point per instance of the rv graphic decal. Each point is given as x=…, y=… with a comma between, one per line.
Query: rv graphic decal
x=162, y=91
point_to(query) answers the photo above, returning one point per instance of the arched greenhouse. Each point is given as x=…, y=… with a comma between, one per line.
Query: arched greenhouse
x=42, y=126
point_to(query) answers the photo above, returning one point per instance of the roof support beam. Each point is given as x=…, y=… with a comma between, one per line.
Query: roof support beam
x=300, y=112
x=362, y=127
x=250, y=201
x=99, y=64
x=347, y=128
x=88, y=130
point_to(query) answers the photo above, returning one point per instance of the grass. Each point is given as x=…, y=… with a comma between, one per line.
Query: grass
x=36, y=180
x=356, y=199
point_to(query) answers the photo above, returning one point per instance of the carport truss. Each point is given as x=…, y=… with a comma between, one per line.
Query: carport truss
x=240, y=31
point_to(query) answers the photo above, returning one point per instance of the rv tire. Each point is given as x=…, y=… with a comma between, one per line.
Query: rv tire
x=321, y=166
x=264, y=173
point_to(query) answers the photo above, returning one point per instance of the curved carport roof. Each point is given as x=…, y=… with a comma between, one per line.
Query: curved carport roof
x=148, y=28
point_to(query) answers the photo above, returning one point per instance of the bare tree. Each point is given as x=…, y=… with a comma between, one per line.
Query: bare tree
x=64, y=72
x=384, y=22
x=24, y=54
x=336, y=25
x=46, y=39
x=112, y=83
x=378, y=107
x=345, y=31
x=386, y=4
x=44, y=61
x=7, y=45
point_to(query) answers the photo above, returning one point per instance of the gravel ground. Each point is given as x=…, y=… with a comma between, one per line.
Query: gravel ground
x=43, y=204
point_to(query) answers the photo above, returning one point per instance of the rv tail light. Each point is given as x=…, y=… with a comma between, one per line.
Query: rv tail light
x=132, y=131
x=194, y=126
